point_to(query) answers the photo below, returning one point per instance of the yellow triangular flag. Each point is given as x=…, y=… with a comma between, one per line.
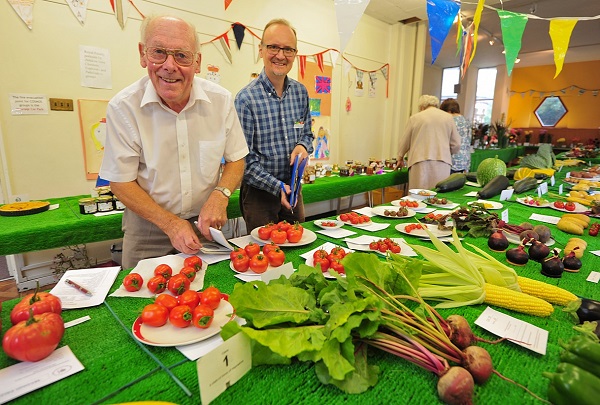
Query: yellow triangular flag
x=476, y=21
x=560, y=33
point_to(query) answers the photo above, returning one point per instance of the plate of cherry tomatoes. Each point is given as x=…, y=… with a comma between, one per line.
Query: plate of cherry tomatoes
x=253, y=260
x=284, y=234
x=534, y=201
x=355, y=219
x=328, y=223
x=176, y=321
x=569, y=206
x=416, y=229
x=414, y=205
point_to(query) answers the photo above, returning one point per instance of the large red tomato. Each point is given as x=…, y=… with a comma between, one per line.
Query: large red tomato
x=35, y=338
x=155, y=315
x=39, y=302
x=178, y=284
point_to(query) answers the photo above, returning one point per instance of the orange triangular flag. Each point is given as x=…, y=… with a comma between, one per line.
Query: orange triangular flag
x=560, y=33
x=302, y=64
x=227, y=3
x=319, y=59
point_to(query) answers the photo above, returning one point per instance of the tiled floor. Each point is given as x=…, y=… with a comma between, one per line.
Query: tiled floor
x=8, y=290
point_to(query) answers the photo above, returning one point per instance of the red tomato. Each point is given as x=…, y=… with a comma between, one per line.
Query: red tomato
x=34, y=339
x=283, y=225
x=202, y=316
x=383, y=247
x=322, y=262
x=337, y=266
x=559, y=204
x=252, y=249
x=163, y=270
x=241, y=263
x=294, y=233
x=211, y=297
x=344, y=217
x=259, y=263
x=237, y=251
x=167, y=301
x=194, y=262
x=570, y=206
x=189, y=298
x=181, y=316
x=264, y=232
x=268, y=247
x=374, y=245
x=39, y=302
x=189, y=272
x=133, y=282
x=276, y=257
x=278, y=236
x=395, y=248
x=320, y=253
x=157, y=284
x=338, y=252
x=178, y=284
x=155, y=315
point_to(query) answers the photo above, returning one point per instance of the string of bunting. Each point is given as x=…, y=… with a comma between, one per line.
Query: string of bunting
x=239, y=30
x=442, y=13
x=552, y=93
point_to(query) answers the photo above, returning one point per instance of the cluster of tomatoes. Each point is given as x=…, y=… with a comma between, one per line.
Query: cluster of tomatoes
x=569, y=205
x=252, y=258
x=383, y=245
x=411, y=227
x=354, y=218
x=329, y=260
x=164, y=278
x=281, y=232
x=535, y=201
x=328, y=224
x=37, y=327
x=594, y=229
x=408, y=203
x=189, y=308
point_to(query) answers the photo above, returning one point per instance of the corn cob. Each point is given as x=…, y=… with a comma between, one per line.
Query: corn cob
x=516, y=301
x=545, y=291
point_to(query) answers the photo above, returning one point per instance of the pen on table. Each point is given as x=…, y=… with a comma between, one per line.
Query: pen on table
x=77, y=286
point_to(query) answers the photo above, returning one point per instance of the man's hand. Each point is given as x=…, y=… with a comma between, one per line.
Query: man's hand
x=183, y=237
x=213, y=214
x=298, y=150
x=284, y=193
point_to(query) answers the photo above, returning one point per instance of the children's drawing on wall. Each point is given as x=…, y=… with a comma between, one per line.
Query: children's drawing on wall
x=372, y=84
x=320, y=128
x=92, y=118
x=315, y=106
x=213, y=74
x=323, y=84
x=359, y=90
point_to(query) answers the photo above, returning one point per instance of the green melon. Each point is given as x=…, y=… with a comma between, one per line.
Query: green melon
x=490, y=168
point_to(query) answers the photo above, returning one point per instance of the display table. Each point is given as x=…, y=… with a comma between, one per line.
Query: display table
x=592, y=161
x=506, y=155
x=66, y=226
x=118, y=370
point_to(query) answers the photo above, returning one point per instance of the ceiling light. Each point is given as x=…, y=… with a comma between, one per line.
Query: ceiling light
x=492, y=41
x=517, y=60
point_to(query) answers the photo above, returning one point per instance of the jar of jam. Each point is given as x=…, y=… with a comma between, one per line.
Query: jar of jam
x=119, y=206
x=105, y=203
x=87, y=206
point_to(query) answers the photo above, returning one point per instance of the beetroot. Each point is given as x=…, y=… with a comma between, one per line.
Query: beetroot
x=479, y=363
x=460, y=333
x=456, y=386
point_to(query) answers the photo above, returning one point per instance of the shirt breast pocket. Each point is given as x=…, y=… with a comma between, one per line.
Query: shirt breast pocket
x=211, y=155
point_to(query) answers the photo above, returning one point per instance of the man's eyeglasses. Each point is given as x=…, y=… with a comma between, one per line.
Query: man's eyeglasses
x=274, y=50
x=159, y=56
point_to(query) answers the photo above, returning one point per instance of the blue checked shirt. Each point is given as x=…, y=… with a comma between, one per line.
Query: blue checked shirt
x=273, y=127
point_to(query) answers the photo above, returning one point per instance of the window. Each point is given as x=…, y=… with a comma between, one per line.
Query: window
x=484, y=95
x=450, y=78
x=550, y=111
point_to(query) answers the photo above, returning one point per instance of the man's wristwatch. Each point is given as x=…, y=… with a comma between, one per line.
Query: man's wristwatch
x=226, y=192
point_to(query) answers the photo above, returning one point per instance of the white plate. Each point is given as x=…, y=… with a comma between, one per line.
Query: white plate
x=414, y=193
x=421, y=232
x=308, y=237
x=522, y=201
x=249, y=272
x=420, y=207
x=338, y=224
x=356, y=225
x=169, y=335
x=579, y=208
x=405, y=250
x=490, y=205
x=514, y=238
x=381, y=212
x=448, y=205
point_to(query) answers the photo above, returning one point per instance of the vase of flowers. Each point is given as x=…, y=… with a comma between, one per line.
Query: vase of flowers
x=501, y=130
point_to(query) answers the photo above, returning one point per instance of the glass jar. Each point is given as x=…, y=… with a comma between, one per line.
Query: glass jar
x=105, y=203
x=87, y=206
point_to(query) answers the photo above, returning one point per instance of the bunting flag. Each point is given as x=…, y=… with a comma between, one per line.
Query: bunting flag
x=333, y=56
x=24, y=8
x=319, y=60
x=512, y=26
x=238, y=33
x=441, y=14
x=121, y=11
x=348, y=13
x=465, y=57
x=79, y=9
x=560, y=33
x=227, y=3
x=302, y=64
x=476, y=21
x=459, y=35
x=224, y=40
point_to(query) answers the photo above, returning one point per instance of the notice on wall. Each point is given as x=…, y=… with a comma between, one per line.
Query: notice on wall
x=27, y=104
x=94, y=67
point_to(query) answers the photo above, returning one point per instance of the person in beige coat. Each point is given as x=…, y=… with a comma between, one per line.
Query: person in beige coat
x=429, y=141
